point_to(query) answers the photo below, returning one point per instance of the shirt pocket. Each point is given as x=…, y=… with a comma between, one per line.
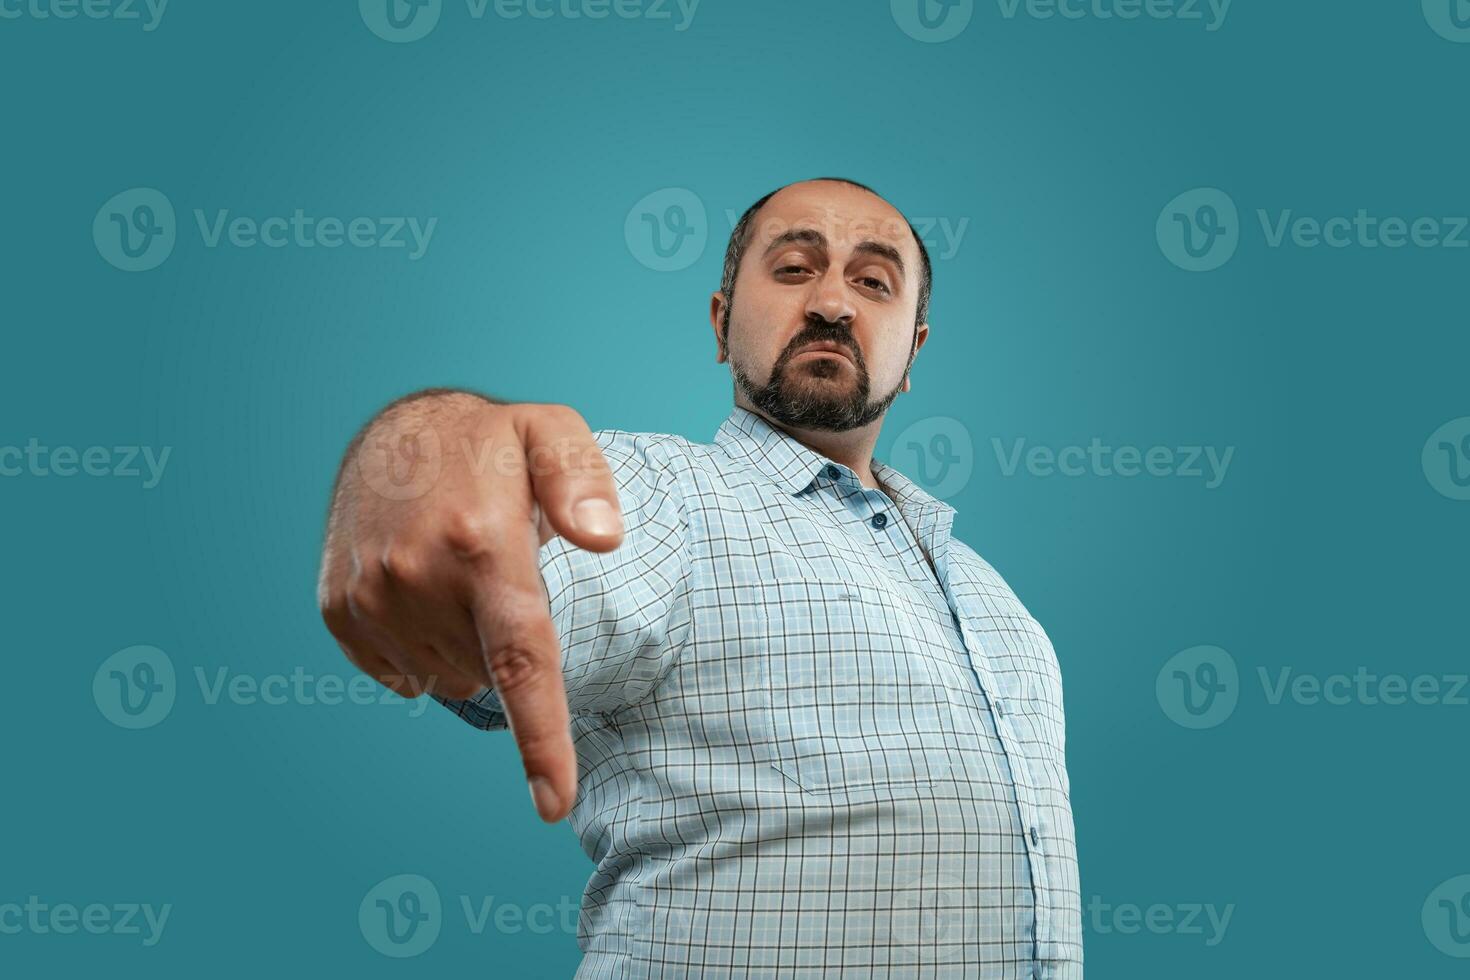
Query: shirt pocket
x=854, y=705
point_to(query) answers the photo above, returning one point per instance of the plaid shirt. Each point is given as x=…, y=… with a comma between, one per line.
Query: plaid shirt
x=803, y=750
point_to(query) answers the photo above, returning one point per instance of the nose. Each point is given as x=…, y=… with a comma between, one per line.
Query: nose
x=830, y=298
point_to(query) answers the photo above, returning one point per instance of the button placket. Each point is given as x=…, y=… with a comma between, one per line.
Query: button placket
x=1022, y=780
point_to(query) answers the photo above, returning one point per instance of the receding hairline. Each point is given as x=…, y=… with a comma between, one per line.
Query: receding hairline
x=755, y=215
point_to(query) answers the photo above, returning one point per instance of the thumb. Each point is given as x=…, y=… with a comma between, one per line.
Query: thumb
x=572, y=486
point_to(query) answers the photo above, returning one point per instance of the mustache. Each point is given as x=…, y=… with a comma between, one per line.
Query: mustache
x=820, y=331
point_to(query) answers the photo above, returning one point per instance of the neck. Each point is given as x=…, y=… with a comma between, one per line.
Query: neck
x=853, y=448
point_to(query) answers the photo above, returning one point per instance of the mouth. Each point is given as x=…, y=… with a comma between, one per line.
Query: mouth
x=824, y=347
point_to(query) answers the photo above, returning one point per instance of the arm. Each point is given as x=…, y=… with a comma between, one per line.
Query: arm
x=429, y=577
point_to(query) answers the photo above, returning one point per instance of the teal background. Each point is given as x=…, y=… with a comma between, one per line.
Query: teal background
x=1057, y=320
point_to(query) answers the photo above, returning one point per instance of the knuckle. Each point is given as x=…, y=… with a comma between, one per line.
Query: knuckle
x=365, y=600
x=518, y=611
x=513, y=667
x=467, y=534
x=558, y=412
x=400, y=566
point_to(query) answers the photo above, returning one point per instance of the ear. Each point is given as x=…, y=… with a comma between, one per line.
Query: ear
x=716, y=319
x=920, y=335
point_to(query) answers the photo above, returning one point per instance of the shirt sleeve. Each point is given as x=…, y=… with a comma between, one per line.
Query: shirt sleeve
x=621, y=616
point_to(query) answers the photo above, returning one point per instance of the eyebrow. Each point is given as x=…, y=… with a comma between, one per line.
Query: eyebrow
x=810, y=236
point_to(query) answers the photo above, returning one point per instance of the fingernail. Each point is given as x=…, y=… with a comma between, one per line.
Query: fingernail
x=596, y=516
x=544, y=797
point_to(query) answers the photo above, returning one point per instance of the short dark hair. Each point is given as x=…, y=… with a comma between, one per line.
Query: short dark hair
x=740, y=241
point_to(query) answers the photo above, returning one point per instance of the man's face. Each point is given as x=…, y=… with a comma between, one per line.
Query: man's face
x=827, y=263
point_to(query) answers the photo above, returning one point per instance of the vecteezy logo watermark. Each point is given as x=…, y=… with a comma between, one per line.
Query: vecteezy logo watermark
x=941, y=236
x=118, y=462
x=97, y=918
x=401, y=467
x=301, y=687
x=402, y=916
x=1449, y=18
x=932, y=21
x=135, y=688
x=1446, y=917
x=1183, y=919
x=1446, y=459
x=937, y=453
x=667, y=230
x=1200, y=230
x=1207, y=463
x=406, y=465
x=1210, y=13
x=1198, y=687
x=147, y=12
x=401, y=21
x=136, y=231
x=1363, y=687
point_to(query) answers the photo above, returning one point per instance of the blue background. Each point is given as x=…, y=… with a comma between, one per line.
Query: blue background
x=1057, y=320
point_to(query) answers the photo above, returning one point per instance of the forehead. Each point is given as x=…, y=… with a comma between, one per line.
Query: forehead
x=844, y=215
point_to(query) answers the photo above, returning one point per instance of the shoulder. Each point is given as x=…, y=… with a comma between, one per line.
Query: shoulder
x=642, y=448
x=659, y=457
x=650, y=468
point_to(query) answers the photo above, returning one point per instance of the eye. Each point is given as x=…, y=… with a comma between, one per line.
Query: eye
x=876, y=283
x=790, y=268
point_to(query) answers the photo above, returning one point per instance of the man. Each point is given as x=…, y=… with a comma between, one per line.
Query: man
x=801, y=730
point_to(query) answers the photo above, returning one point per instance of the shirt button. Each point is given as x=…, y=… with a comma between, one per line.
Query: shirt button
x=833, y=472
x=880, y=521
x=1000, y=709
x=1035, y=838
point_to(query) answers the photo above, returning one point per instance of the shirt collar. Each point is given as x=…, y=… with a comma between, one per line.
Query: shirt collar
x=751, y=439
x=748, y=437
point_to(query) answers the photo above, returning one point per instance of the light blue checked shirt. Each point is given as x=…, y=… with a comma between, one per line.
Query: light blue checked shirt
x=803, y=751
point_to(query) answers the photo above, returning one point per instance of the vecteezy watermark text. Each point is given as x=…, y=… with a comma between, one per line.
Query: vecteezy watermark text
x=402, y=915
x=41, y=918
x=1207, y=463
x=149, y=13
x=405, y=21
x=137, y=687
x=120, y=462
x=936, y=21
x=136, y=230
x=1183, y=919
x=668, y=229
x=1201, y=229
x=1200, y=688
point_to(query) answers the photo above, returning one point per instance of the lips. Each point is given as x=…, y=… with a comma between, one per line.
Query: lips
x=825, y=345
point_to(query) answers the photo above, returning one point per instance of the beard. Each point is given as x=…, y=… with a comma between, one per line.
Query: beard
x=816, y=393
